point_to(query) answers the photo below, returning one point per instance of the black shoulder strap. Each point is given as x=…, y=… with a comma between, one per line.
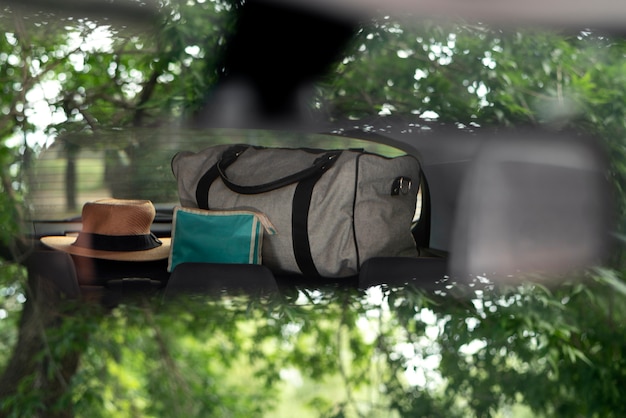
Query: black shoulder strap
x=320, y=165
x=300, y=226
x=202, y=189
x=421, y=231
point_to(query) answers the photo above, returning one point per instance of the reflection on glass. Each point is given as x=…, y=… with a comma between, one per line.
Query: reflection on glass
x=335, y=351
x=136, y=164
x=91, y=107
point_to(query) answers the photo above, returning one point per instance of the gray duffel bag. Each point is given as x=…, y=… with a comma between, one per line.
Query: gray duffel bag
x=331, y=209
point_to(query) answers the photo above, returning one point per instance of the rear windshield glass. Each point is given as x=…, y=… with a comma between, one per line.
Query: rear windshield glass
x=136, y=164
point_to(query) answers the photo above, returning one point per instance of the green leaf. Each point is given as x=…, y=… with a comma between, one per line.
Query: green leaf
x=610, y=277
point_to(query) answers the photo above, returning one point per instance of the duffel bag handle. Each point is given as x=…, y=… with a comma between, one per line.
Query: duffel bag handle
x=320, y=165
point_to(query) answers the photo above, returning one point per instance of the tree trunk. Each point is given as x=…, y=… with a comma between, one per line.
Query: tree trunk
x=37, y=365
x=70, y=178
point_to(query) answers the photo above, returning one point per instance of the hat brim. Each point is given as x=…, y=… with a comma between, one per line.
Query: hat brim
x=64, y=243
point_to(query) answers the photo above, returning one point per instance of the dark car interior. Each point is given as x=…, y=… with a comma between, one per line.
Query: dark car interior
x=445, y=250
x=271, y=97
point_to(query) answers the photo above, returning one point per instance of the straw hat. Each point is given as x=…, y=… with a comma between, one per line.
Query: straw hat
x=115, y=229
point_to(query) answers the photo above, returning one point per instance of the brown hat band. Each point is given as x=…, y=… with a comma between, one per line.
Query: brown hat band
x=117, y=242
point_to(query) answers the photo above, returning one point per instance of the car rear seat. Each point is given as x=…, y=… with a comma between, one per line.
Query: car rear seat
x=56, y=267
x=214, y=279
x=423, y=272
